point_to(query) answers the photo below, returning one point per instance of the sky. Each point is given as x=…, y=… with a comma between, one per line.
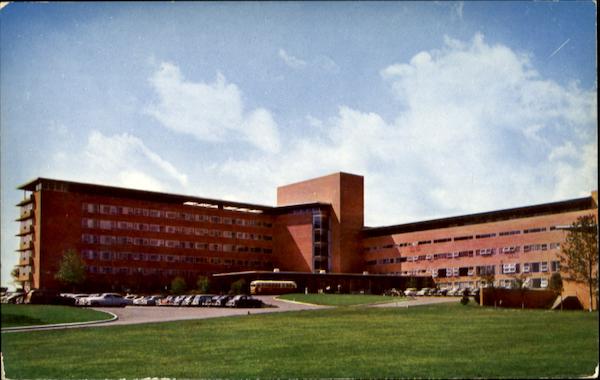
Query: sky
x=446, y=108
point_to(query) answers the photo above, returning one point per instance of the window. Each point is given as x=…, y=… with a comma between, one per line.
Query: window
x=436, y=241
x=485, y=236
x=87, y=223
x=544, y=266
x=463, y=238
x=106, y=224
x=510, y=268
x=485, y=251
x=508, y=233
x=555, y=266
x=526, y=268
x=533, y=230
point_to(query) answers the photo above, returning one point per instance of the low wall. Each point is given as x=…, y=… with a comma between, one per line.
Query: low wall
x=530, y=298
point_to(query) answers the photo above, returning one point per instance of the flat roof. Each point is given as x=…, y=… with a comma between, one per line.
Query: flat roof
x=154, y=196
x=483, y=217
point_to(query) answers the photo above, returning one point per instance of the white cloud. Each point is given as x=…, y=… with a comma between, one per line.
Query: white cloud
x=212, y=112
x=119, y=160
x=320, y=62
x=291, y=61
x=478, y=129
x=457, y=9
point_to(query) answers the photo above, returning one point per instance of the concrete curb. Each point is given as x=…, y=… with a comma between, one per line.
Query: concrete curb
x=299, y=303
x=3, y=373
x=59, y=325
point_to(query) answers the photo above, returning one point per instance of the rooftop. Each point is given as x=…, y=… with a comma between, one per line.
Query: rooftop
x=485, y=217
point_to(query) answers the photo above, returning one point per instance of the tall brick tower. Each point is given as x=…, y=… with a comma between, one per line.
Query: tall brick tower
x=345, y=193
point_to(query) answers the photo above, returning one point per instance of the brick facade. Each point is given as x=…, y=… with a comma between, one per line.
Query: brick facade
x=132, y=239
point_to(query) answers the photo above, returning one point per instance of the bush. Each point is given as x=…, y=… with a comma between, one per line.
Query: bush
x=203, y=284
x=464, y=300
x=238, y=287
x=178, y=285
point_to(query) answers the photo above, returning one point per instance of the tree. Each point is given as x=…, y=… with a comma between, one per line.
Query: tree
x=238, y=287
x=178, y=285
x=71, y=269
x=203, y=284
x=556, y=285
x=579, y=253
x=14, y=273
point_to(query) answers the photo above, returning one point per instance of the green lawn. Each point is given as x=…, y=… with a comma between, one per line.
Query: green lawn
x=340, y=299
x=440, y=341
x=29, y=315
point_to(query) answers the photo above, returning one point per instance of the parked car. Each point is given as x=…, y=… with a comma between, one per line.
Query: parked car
x=199, y=299
x=221, y=301
x=107, y=299
x=454, y=292
x=77, y=297
x=177, y=300
x=165, y=301
x=244, y=301
x=212, y=301
x=187, y=301
x=153, y=300
x=393, y=293
x=441, y=292
x=424, y=292
x=410, y=292
x=13, y=297
x=46, y=297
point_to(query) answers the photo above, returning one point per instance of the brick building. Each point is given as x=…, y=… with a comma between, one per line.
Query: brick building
x=140, y=239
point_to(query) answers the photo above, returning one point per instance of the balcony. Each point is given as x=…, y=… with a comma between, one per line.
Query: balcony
x=25, y=245
x=25, y=201
x=25, y=260
x=25, y=230
x=25, y=274
x=25, y=214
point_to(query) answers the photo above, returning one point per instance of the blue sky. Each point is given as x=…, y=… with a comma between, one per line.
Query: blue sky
x=446, y=108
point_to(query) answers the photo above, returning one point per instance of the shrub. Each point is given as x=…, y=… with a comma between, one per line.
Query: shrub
x=178, y=285
x=238, y=287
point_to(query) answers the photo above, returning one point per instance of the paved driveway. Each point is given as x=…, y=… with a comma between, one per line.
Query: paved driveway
x=144, y=314
x=418, y=301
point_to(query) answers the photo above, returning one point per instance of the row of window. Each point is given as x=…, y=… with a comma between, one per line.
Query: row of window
x=173, y=272
x=141, y=256
x=509, y=268
x=128, y=240
x=93, y=208
x=460, y=238
x=533, y=282
x=468, y=253
x=122, y=225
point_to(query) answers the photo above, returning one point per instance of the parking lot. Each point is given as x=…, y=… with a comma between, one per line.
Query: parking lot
x=141, y=314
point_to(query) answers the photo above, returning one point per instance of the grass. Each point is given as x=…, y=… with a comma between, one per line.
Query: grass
x=30, y=315
x=340, y=299
x=439, y=341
